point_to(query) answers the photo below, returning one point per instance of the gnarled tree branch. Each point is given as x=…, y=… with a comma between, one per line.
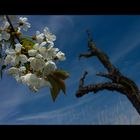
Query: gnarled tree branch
x=119, y=82
x=100, y=86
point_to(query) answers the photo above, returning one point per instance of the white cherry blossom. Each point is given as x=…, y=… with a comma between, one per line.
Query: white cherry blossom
x=39, y=37
x=13, y=71
x=37, y=64
x=49, y=36
x=14, y=56
x=24, y=24
x=61, y=56
x=4, y=34
x=50, y=53
x=34, y=82
x=49, y=67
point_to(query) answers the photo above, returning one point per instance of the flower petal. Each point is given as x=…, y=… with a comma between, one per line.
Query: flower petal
x=13, y=71
x=30, y=59
x=39, y=56
x=37, y=64
x=23, y=58
x=5, y=35
x=61, y=56
x=32, y=52
x=36, y=46
x=22, y=69
x=8, y=59
x=49, y=67
x=10, y=51
x=18, y=47
x=43, y=44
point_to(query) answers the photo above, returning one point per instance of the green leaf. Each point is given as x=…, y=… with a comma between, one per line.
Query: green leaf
x=57, y=85
x=61, y=84
x=27, y=37
x=55, y=88
x=27, y=42
x=61, y=74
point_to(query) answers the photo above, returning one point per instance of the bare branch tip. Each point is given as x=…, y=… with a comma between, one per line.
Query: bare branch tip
x=86, y=72
x=79, y=57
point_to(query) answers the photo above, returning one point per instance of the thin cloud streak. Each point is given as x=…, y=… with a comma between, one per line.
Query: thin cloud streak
x=53, y=114
x=128, y=43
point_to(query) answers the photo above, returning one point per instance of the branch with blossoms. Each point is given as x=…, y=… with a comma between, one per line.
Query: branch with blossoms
x=31, y=60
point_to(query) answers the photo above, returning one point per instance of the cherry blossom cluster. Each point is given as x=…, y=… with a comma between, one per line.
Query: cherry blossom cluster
x=29, y=61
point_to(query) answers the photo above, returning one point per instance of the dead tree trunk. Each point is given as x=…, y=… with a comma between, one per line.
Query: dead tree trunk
x=119, y=82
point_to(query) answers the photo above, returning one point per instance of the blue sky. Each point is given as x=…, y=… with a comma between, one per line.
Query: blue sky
x=117, y=35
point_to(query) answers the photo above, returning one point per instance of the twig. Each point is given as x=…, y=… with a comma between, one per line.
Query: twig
x=81, y=83
x=12, y=28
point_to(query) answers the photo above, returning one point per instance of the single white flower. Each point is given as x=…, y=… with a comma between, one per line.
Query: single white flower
x=13, y=71
x=38, y=50
x=39, y=37
x=25, y=79
x=16, y=72
x=16, y=55
x=23, y=22
x=50, y=53
x=4, y=34
x=49, y=36
x=8, y=59
x=49, y=67
x=36, y=64
x=31, y=80
x=10, y=51
x=18, y=47
x=4, y=25
x=21, y=58
x=61, y=56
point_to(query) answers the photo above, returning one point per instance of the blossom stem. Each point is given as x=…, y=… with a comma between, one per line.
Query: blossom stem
x=12, y=28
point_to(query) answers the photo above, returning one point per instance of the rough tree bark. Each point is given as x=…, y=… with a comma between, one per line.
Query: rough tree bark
x=119, y=82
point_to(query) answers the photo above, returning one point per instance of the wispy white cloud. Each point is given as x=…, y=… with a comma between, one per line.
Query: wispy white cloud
x=10, y=103
x=12, y=97
x=128, y=43
x=85, y=112
x=125, y=50
x=59, y=112
x=57, y=23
